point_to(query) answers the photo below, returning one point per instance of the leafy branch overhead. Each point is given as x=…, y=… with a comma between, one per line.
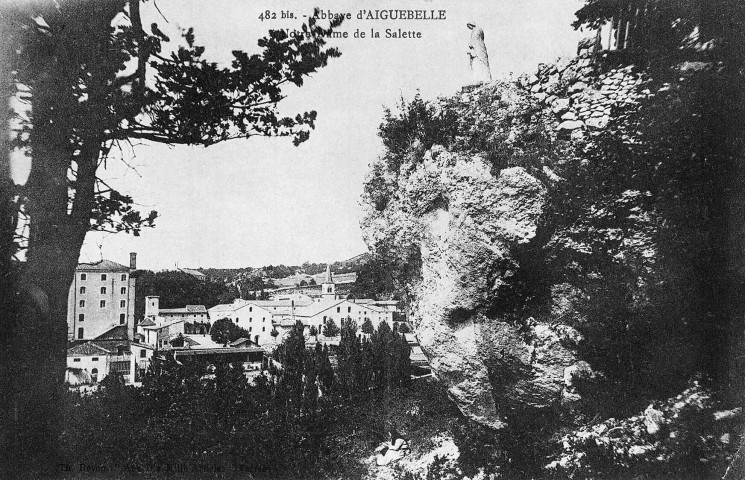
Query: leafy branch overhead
x=199, y=102
x=93, y=79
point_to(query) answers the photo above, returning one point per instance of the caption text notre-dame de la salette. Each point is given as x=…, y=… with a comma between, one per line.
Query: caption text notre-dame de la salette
x=364, y=15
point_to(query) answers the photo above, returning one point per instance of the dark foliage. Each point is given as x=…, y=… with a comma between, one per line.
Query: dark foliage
x=224, y=331
x=382, y=361
x=178, y=289
x=283, y=424
x=374, y=280
x=88, y=78
x=367, y=326
x=331, y=329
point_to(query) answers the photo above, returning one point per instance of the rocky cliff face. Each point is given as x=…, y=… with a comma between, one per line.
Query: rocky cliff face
x=559, y=243
x=541, y=254
x=464, y=219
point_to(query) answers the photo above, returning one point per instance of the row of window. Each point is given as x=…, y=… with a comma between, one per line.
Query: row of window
x=104, y=276
x=122, y=318
x=349, y=310
x=250, y=319
x=263, y=329
x=102, y=304
x=122, y=290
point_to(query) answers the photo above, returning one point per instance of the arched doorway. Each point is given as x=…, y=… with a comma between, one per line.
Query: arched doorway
x=94, y=375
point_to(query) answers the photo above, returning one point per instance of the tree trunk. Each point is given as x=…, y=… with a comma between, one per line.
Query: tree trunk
x=39, y=344
x=42, y=343
x=7, y=244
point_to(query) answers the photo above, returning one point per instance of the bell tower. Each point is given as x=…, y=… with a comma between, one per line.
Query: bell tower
x=328, y=288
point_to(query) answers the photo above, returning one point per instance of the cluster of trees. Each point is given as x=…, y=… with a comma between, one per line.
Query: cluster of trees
x=89, y=79
x=347, y=266
x=224, y=331
x=178, y=289
x=303, y=374
x=219, y=423
x=382, y=360
x=374, y=280
x=197, y=328
x=331, y=329
x=281, y=424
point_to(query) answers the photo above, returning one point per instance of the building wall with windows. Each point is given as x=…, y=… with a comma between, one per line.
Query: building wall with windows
x=102, y=296
x=95, y=363
x=141, y=357
x=256, y=315
x=98, y=358
x=189, y=313
x=320, y=313
x=257, y=319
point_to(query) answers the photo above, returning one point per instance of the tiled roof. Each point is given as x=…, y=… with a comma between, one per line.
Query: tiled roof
x=165, y=325
x=225, y=307
x=317, y=307
x=88, y=348
x=281, y=303
x=112, y=345
x=190, y=342
x=361, y=301
x=148, y=322
x=217, y=350
x=202, y=341
x=117, y=333
x=102, y=266
x=288, y=322
x=186, y=309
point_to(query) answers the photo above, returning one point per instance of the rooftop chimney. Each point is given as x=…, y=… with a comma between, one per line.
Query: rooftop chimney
x=133, y=261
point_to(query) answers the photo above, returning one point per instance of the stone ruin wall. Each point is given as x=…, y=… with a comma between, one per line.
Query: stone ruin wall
x=583, y=93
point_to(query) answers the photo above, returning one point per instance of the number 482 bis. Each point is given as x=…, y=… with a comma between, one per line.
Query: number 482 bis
x=269, y=15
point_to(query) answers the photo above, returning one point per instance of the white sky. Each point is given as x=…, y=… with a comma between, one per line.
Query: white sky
x=257, y=202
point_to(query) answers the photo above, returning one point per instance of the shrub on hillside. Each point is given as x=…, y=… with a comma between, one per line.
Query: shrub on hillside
x=683, y=437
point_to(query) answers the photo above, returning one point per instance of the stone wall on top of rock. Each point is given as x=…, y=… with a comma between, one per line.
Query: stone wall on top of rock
x=581, y=95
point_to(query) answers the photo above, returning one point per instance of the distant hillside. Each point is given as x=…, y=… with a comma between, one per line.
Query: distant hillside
x=285, y=274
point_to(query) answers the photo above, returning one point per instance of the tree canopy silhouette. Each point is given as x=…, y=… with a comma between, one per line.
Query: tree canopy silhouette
x=89, y=77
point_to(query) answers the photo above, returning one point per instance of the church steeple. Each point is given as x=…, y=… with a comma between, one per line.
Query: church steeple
x=328, y=288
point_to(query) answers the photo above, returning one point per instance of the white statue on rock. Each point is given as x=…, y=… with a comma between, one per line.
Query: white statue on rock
x=477, y=55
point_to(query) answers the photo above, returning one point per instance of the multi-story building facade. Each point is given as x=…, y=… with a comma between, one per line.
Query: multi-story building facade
x=90, y=361
x=189, y=313
x=255, y=316
x=319, y=313
x=102, y=296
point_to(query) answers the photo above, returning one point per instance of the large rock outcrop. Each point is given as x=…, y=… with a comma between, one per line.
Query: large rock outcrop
x=464, y=219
